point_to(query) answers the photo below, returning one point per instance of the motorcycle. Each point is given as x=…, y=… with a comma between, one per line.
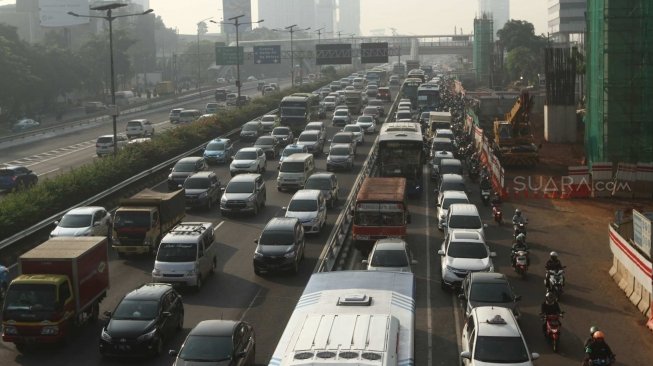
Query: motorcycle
x=519, y=228
x=521, y=262
x=555, y=282
x=605, y=361
x=473, y=171
x=497, y=214
x=553, y=330
x=485, y=196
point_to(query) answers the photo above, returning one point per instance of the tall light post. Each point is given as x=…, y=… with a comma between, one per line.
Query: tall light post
x=291, y=29
x=109, y=17
x=201, y=28
x=236, y=24
x=319, y=34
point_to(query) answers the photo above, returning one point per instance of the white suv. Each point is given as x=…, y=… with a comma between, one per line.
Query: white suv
x=491, y=336
x=248, y=160
x=463, y=252
x=139, y=128
x=309, y=206
x=104, y=144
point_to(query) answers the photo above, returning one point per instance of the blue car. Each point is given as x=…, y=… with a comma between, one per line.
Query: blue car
x=14, y=177
x=218, y=151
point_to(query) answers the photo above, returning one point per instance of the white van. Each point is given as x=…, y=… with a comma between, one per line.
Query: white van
x=294, y=171
x=104, y=144
x=186, y=255
x=189, y=115
x=464, y=216
x=139, y=128
x=309, y=206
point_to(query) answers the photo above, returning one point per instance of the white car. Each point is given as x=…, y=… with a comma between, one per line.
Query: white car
x=341, y=117
x=248, y=160
x=492, y=337
x=310, y=208
x=463, y=252
x=367, y=123
x=84, y=221
x=269, y=122
x=139, y=128
x=104, y=144
x=390, y=254
x=359, y=135
x=445, y=200
x=329, y=103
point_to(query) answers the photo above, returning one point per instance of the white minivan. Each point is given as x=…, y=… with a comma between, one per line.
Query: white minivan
x=309, y=206
x=186, y=255
x=464, y=216
x=104, y=144
x=295, y=170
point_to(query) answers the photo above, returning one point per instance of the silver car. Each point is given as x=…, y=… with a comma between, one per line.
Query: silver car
x=390, y=254
x=83, y=221
x=359, y=135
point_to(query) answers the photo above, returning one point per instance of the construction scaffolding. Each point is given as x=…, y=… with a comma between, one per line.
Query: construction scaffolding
x=619, y=125
x=482, y=49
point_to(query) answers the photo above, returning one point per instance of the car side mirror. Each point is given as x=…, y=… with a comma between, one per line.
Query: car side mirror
x=107, y=314
x=493, y=254
x=364, y=261
x=255, y=241
x=222, y=189
x=414, y=261
x=462, y=297
x=535, y=356
x=466, y=355
x=56, y=222
x=166, y=314
x=444, y=224
x=241, y=354
x=441, y=252
x=484, y=226
x=518, y=298
x=172, y=352
x=97, y=223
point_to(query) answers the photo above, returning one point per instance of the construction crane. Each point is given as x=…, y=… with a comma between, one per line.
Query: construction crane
x=513, y=138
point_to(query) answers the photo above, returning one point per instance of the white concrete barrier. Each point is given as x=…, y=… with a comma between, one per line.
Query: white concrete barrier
x=601, y=175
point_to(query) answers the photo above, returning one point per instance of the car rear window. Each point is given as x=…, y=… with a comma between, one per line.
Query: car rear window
x=6, y=172
x=133, y=124
x=105, y=140
x=465, y=222
x=473, y=250
x=342, y=139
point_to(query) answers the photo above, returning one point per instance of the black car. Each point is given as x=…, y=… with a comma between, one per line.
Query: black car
x=283, y=135
x=143, y=321
x=202, y=189
x=280, y=246
x=184, y=169
x=213, y=342
x=220, y=95
x=14, y=177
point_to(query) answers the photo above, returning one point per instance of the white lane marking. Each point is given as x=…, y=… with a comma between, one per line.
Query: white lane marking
x=251, y=304
x=429, y=321
x=457, y=310
x=217, y=227
x=48, y=172
x=39, y=159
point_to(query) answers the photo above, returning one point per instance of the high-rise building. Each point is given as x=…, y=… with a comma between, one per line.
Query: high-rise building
x=234, y=8
x=499, y=10
x=325, y=15
x=349, y=16
x=282, y=13
x=566, y=20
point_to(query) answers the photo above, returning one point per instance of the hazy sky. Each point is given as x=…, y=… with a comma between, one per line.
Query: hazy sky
x=407, y=16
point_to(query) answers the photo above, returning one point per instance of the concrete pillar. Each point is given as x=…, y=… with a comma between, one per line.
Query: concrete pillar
x=560, y=123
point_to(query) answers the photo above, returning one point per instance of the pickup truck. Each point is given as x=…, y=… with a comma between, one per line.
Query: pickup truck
x=142, y=220
x=61, y=285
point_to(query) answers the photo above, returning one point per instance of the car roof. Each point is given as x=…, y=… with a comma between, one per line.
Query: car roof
x=348, y=133
x=495, y=321
x=12, y=167
x=465, y=209
x=465, y=235
x=453, y=178
x=249, y=149
x=454, y=194
x=450, y=162
x=220, y=139
x=85, y=210
x=443, y=153
x=281, y=223
x=352, y=125
x=214, y=327
x=322, y=175
x=248, y=177
x=316, y=123
x=306, y=194
x=149, y=291
x=390, y=244
x=265, y=137
x=190, y=159
x=253, y=122
x=347, y=146
x=488, y=277
x=205, y=174
x=309, y=132
x=296, y=146
x=298, y=157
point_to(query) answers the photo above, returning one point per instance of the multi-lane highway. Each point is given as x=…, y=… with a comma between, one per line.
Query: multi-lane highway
x=235, y=292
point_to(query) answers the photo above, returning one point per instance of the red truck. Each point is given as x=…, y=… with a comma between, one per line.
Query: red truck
x=61, y=284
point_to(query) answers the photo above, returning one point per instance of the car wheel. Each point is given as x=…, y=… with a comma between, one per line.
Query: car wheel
x=159, y=347
x=180, y=323
x=209, y=204
x=255, y=211
x=295, y=267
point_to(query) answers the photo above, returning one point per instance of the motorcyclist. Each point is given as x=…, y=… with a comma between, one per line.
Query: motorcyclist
x=517, y=218
x=519, y=244
x=598, y=348
x=588, y=341
x=485, y=186
x=496, y=199
x=550, y=306
x=553, y=264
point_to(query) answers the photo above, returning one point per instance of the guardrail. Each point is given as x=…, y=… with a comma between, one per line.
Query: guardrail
x=47, y=222
x=342, y=227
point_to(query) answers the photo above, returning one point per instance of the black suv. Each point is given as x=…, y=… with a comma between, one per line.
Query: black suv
x=184, y=169
x=143, y=321
x=280, y=246
x=202, y=189
x=243, y=193
x=313, y=141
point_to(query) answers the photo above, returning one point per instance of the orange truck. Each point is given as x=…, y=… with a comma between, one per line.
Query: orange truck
x=60, y=286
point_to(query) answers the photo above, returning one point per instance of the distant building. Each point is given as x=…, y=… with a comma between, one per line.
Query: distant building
x=325, y=15
x=234, y=8
x=349, y=16
x=499, y=10
x=282, y=13
x=566, y=20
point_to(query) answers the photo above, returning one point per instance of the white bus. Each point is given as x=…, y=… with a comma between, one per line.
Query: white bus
x=351, y=317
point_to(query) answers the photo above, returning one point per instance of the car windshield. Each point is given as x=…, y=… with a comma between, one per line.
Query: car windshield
x=196, y=183
x=510, y=350
x=341, y=113
x=465, y=222
x=281, y=131
x=184, y=167
x=302, y=206
x=132, y=219
x=136, y=310
x=341, y=139
x=472, y=250
x=269, y=237
x=267, y=140
x=425, y=115
x=240, y=187
x=339, y=151
x=442, y=146
x=498, y=292
x=245, y=155
x=450, y=169
x=352, y=129
x=313, y=128
x=452, y=186
x=215, y=146
x=330, y=99
x=292, y=167
x=133, y=124
x=404, y=115
x=290, y=151
x=177, y=252
x=75, y=220
x=268, y=119
x=389, y=258
x=206, y=348
x=318, y=183
x=250, y=127
x=365, y=119
x=448, y=201
x=105, y=140
x=312, y=137
x=30, y=297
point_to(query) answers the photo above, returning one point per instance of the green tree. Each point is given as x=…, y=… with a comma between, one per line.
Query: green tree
x=522, y=62
x=525, y=56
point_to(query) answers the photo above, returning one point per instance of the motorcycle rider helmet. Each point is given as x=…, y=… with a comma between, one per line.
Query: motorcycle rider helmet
x=554, y=255
x=517, y=212
x=598, y=335
x=521, y=238
x=549, y=298
x=593, y=329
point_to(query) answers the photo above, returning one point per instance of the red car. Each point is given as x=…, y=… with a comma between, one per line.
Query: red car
x=384, y=94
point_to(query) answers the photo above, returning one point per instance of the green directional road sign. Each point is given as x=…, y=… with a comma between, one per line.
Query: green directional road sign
x=228, y=55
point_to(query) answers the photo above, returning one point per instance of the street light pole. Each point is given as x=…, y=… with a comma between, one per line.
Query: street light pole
x=319, y=34
x=199, y=64
x=109, y=17
x=291, y=29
